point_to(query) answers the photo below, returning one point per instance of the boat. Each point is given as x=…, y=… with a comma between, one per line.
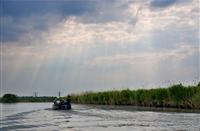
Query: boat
x=61, y=104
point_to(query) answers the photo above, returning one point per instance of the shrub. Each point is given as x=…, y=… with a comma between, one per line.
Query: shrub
x=198, y=84
x=9, y=98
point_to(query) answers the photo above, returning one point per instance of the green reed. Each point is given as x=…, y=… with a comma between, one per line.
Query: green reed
x=177, y=96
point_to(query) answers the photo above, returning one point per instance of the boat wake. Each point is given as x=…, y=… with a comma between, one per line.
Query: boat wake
x=89, y=118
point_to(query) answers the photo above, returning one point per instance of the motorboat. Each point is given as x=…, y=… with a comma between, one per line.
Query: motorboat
x=61, y=104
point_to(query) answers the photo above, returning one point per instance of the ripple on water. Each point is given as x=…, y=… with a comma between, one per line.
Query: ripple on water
x=88, y=118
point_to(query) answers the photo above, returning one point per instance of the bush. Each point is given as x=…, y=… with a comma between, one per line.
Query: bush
x=198, y=84
x=9, y=98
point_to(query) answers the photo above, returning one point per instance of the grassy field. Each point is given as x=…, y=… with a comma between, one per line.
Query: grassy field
x=176, y=96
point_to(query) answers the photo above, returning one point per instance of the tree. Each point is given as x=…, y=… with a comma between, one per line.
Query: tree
x=9, y=98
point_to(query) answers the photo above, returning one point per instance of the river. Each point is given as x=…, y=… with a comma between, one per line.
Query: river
x=40, y=117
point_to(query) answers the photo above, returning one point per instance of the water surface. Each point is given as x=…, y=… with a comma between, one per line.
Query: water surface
x=39, y=116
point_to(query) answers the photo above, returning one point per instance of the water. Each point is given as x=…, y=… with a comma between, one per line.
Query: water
x=39, y=117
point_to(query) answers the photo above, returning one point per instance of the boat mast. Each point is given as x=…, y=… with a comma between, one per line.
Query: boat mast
x=59, y=94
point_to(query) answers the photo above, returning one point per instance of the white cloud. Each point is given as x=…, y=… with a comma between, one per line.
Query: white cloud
x=72, y=33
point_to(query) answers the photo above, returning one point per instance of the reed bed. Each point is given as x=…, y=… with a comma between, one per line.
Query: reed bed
x=176, y=96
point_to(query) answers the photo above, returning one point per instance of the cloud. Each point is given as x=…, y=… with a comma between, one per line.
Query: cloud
x=162, y=3
x=23, y=8
x=74, y=32
x=21, y=17
x=111, y=44
x=175, y=55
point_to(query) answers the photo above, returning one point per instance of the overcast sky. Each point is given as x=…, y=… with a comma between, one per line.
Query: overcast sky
x=95, y=45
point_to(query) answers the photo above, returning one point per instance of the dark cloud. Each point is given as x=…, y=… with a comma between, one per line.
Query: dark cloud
x=14, y=28
x=27, y=8
x=162, y=3
x=37, y=15
x=22, y=16
x=11, y=33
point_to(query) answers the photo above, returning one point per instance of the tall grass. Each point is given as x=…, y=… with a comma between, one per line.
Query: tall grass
x=177, y=96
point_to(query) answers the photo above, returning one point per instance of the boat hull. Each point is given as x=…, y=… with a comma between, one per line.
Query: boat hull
x=62, y=107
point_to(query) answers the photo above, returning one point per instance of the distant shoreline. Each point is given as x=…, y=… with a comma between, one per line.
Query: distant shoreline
x=175, y=96
x=26, y=99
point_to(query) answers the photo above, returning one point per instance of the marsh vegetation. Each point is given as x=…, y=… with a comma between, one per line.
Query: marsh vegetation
x=175, y=96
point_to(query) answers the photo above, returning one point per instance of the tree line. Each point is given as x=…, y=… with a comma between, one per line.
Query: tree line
x=12, y=98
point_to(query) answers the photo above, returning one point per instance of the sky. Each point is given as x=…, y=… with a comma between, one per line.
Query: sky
x=75, y=46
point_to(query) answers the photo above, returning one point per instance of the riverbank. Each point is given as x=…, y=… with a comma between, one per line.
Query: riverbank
x=176, y=96
x=140, y=108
